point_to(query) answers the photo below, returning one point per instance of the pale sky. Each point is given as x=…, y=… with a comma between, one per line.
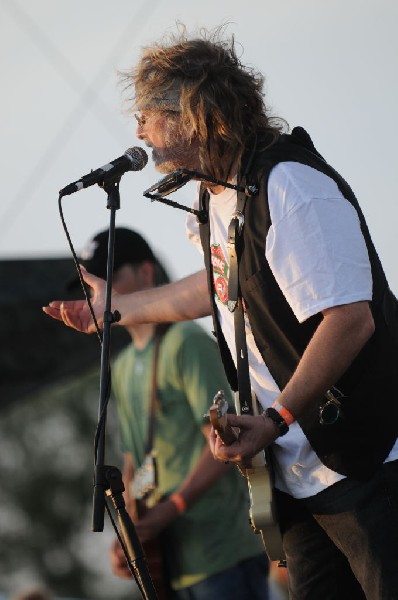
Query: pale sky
x=330, y=66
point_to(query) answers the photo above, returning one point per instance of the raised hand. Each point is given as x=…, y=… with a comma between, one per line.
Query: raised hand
x=76, y=313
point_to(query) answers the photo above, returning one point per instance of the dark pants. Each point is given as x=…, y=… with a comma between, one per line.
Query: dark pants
x=343, y=542
x=248, y=580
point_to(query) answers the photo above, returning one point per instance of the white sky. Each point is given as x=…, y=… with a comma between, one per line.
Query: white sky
x=330, y=66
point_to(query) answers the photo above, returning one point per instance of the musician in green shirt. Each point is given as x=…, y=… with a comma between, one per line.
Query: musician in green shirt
x=203, y=513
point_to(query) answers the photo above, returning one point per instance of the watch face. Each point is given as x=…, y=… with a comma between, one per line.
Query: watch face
x=329, y=413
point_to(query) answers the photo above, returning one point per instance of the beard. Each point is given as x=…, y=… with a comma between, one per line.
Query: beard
x=178, y=151
x=165, y=164
x=167, y=160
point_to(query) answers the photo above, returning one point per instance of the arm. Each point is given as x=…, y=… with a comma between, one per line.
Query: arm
x=201, y=478
x=340, y=336
x=116, y=554
x=182, y=300
x=206, y=472
x=199, y=374
x=204, y=475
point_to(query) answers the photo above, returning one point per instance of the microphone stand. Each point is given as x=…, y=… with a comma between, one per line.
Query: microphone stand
x=108, y=479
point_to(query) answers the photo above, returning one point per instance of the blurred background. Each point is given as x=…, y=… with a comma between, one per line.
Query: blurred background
x=329, y=66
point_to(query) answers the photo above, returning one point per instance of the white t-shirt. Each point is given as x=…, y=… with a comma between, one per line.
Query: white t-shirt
x=319, y=259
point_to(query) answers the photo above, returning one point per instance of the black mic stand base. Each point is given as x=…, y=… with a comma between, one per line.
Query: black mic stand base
x=132, y=546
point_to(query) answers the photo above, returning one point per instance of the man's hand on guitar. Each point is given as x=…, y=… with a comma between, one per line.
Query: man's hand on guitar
x=75, y=313
x=255, y=434
x=147, y=528
x=155, y=520
x=118, y=561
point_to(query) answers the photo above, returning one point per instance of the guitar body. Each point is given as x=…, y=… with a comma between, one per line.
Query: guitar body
x=154, y=559
x=262, y=518
x=261, y=512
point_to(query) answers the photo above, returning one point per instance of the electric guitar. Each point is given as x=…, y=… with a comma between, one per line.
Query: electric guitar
x=155, y=560
x=144, y=496
x=261, y=513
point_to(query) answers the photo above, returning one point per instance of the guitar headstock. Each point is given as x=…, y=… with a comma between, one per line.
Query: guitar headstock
x=218, y=418
x=218, y=410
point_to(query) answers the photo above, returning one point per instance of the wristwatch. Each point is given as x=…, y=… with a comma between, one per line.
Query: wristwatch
x=279, y=421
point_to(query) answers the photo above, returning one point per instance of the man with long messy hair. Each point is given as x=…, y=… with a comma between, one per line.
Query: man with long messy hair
x=219, y=100
x=290, y=267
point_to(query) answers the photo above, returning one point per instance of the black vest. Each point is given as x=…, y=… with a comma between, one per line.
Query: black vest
x=361, y=440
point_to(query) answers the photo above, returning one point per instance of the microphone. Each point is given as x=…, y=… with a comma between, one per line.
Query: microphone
x=134, y=159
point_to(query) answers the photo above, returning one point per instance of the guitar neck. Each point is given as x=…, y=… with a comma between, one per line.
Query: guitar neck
x=226, y=433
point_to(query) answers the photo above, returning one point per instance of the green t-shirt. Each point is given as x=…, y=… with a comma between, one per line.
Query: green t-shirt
x=214, y=533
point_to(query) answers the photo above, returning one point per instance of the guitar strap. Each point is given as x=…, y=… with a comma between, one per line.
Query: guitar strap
x=154, y=549
x=145, y=483
x=247, y=404
x=236, y=305
x=160, y=331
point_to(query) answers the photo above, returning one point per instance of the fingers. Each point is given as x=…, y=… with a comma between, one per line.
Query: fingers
x=70, y=317
x=92, y=280
x=242, y=422
x=58, y=310
x=253, y=437
x=73, y=313
x=118, y=561
x=212, y=439
x=52, y=311
x=221, y=451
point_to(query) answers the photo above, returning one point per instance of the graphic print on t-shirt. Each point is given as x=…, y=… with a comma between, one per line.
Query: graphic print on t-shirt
x=220, y=272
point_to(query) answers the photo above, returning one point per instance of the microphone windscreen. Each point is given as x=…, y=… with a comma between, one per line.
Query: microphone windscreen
x=138, y=158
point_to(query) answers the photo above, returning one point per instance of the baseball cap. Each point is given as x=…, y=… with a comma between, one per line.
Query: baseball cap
x=130, y=248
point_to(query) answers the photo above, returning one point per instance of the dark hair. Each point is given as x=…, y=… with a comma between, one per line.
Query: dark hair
x=161, y=276
x=221, y=100
x=130, y=249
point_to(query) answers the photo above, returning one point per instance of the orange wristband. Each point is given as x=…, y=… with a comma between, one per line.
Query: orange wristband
x=178, y=502
x=284, y=413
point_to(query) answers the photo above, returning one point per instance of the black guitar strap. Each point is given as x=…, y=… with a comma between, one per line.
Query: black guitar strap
x=235, y=303
x=235, y=300
x=159, y=333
